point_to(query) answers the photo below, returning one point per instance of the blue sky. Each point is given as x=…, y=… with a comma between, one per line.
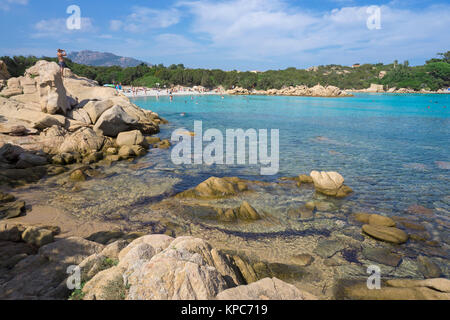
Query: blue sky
x=231, y=34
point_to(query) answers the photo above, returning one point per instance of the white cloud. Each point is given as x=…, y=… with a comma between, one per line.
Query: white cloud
x=6, y=4
x=143, y=19
x=272, y=29
x=53, y=28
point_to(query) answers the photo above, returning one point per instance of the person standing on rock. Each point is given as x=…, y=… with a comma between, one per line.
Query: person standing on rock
x=61, y=62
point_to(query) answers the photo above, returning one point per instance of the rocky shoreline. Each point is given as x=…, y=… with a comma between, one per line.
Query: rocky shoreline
x=378, y=88
x=71, y=131
x=300, y=91
x=48, y=121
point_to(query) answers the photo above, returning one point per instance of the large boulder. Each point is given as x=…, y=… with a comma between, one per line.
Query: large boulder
x=96, y=108
x=80, y=115
x=114, y=121
x=131, y=138
x=265, y=289
x=216, y=188
x=176, y=275
x=158, y=267
x=43, y=276
x=52, y=93
x=330, y=184
x=82, y=141
x=383, y=233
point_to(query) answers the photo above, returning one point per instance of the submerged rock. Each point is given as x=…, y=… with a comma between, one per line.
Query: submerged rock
x=382, y=255
x=215, y=188
x=388, y=234
x=432, y=289
x=428, y=268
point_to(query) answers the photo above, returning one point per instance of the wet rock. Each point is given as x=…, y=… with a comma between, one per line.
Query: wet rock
x=303, y=178
x=126, y=152
x=413, y=225
x=388, y=234
x=333, y=262
x=265, y=289
x=247, y=212
x=247, y=271
x=418, y=209
x=428, y=268
x=164, y=144
x=397, y=290
x=93, y=157
x=17, y=177
x=152, y=140
x=139, y=151
x=131, y=138
x=324, y=206
x=382, y=255
x=213, y=188
x=303, y=260
x=37, y=236
x=361, y=217
x=77, y=176
x=311, y=205
x=328, y=248
x=226, y=215
x=28, y=160
x=344, y=191
x=378, y=220
x=12, y=210
x=438, y=284
x=302, y=213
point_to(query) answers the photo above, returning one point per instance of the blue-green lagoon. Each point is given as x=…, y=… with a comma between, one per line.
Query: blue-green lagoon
x=391, y=149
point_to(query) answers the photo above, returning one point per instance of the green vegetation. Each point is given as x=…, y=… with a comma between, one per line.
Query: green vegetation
x=435, y=74
x=78, y=294
x=109, y=263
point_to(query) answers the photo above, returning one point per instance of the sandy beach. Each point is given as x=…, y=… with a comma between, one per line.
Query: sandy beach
x=131, y=92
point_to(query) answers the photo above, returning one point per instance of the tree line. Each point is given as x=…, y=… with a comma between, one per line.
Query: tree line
x=435, y=74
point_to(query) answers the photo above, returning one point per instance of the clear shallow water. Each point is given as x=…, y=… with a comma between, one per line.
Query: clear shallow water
x=391, y=149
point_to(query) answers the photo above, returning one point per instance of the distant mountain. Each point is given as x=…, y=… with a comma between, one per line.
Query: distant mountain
x=102, y=59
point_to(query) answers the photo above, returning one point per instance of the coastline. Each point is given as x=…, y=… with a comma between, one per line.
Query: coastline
x=187, y=91
x=131, y=202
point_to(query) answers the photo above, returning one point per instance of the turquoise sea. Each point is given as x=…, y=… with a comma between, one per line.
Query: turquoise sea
x=393, y=150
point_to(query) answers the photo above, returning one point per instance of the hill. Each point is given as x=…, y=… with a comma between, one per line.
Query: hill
x=102, y=59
